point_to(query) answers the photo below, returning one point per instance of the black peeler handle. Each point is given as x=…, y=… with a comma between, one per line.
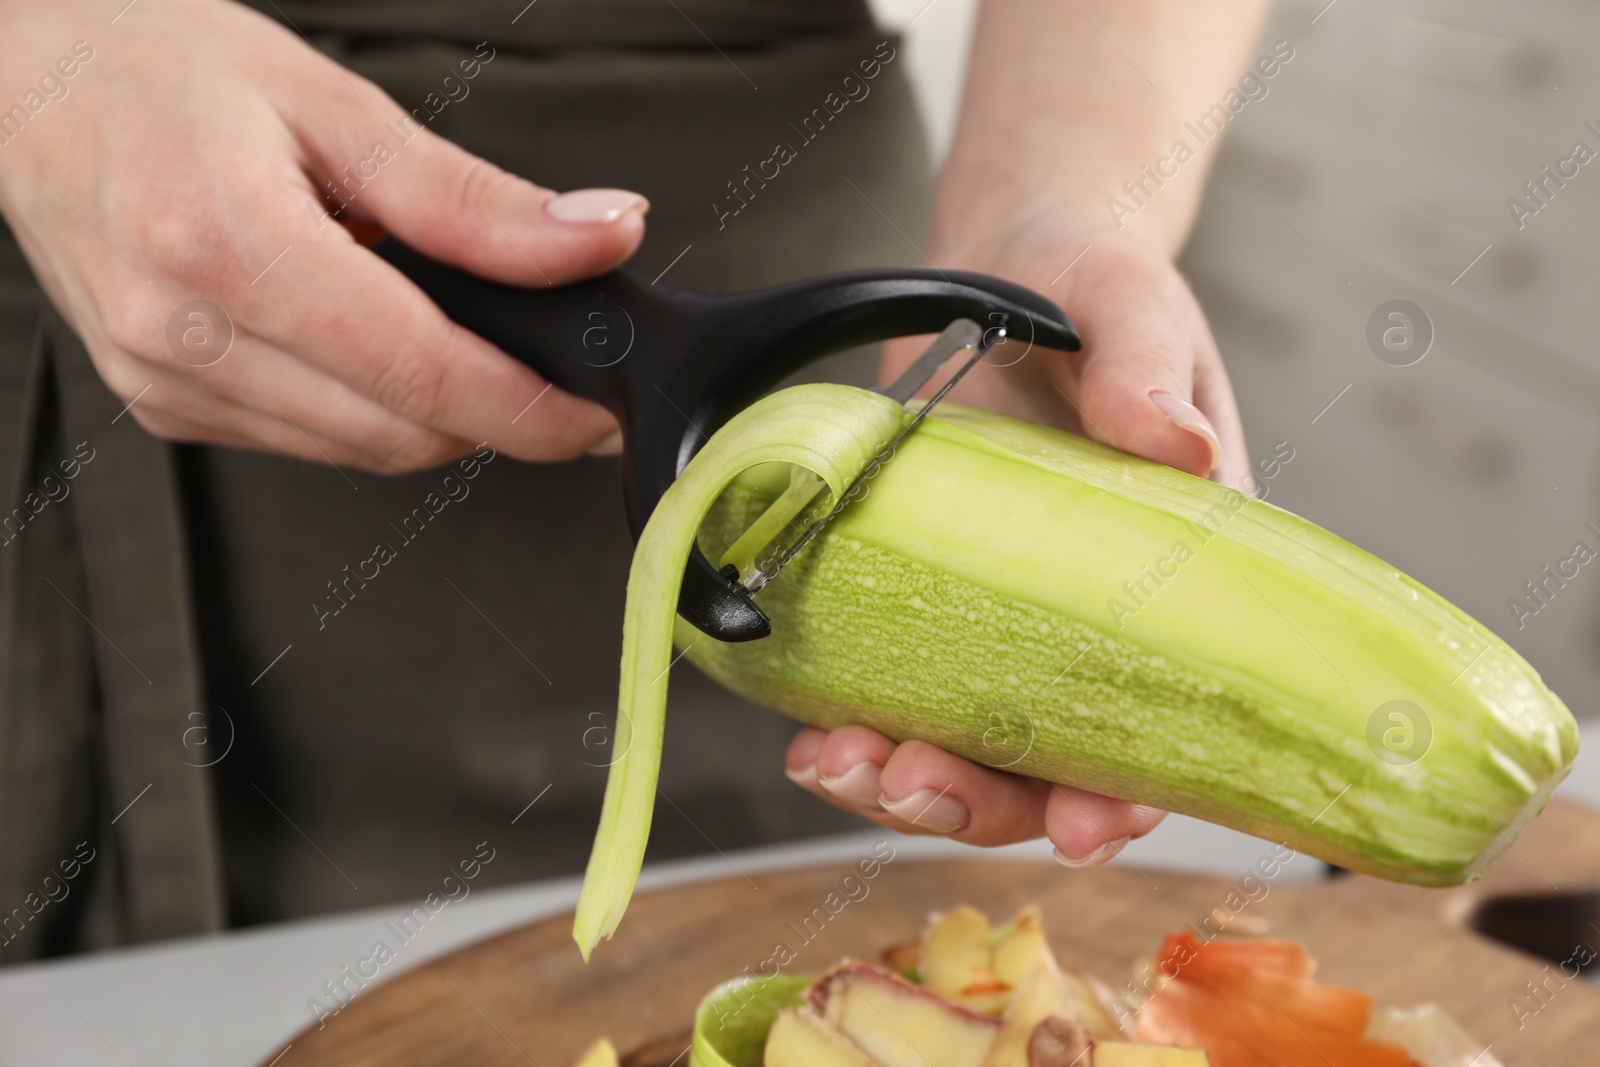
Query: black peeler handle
x=674, y=364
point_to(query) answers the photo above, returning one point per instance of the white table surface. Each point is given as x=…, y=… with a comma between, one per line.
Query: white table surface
x=238, y=998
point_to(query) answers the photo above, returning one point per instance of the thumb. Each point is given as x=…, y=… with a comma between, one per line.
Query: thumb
x=1136, y=395
x=459, y=208
x=1136, y=388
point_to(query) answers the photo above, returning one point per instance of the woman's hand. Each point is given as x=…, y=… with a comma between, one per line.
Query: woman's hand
x=188, y=157
x=917, y=788
x=1150, y=381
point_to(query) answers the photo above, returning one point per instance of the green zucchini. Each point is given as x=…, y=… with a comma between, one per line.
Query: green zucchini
x=1035, y=601
x=732, y=1021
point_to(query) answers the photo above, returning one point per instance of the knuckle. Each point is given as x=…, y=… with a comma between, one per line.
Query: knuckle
x=185, y=238
x=361, y=92
x=164, y=426
x=484, y=183
x=132, y=321
x=418, y=454
x=372, y=463
x=122, y=376
x=390, y=465
x=412, y=385
x=545, y=446
x=1165, y=352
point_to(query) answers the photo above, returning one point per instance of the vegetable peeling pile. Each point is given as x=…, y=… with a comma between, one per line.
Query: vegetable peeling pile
x=969, y=995
x=1034, y=601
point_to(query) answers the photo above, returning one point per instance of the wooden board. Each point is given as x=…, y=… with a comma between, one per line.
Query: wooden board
x=526, y=997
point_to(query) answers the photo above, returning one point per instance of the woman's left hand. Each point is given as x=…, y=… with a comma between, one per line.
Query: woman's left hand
x=1150, y=381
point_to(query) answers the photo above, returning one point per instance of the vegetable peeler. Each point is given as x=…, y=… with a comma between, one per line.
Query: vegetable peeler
x=674, y=364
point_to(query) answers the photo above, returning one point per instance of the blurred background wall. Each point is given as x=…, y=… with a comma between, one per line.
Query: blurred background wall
x=1377, y=169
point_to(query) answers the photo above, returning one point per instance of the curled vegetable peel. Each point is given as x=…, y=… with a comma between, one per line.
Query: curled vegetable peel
x=830, y=431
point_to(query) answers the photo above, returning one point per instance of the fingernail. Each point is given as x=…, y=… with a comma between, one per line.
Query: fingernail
x=610, y=446
x=929, y=809
x=1095, y=858
x=595, y=205
x=1185, y=416
x=857, y=786
x=805, y=777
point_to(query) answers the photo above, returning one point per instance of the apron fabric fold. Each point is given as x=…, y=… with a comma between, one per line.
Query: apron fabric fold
x=106, y=835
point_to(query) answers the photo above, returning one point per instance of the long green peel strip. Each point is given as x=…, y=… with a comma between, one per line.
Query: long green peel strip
x=831, y=432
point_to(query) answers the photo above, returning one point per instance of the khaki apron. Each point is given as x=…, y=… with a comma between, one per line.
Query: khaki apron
x=166, y=634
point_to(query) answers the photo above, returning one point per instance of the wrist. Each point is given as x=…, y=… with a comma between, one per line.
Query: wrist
x=985, y=205
x=1035, y=244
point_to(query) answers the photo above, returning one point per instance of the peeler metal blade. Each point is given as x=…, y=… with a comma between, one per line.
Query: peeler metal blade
x=960, y=336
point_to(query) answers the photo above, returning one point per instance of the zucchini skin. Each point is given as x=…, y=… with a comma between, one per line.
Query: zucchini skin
x=1037, y=602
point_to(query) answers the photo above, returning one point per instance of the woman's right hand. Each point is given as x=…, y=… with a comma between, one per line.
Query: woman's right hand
x=185, y=159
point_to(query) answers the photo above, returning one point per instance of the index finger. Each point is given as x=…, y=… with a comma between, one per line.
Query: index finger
x=341, y=308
